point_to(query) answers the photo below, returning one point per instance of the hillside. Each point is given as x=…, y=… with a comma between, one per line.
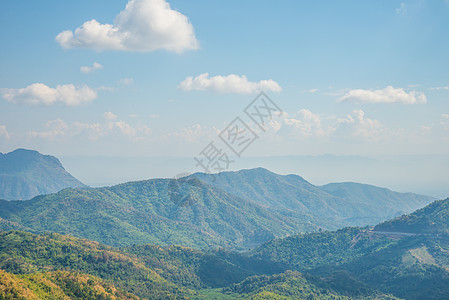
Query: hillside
x=26, y=253
x=25, y=174
x=331, y=206
x=57, y=285
x=54, y=266
x=407, y=257
x=294, y=285
x=351, y=263
x=146, y=212
x=432, y=219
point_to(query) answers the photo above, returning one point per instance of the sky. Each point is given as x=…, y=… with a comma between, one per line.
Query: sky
x=120, y=87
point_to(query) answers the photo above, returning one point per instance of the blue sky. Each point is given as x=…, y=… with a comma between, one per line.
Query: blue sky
x=354, y=78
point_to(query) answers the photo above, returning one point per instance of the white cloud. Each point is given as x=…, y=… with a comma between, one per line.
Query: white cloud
x=3, y=132
x=401, y=9
x=356, y=125
x=105, y=88
x=439, y=88
x=228, y=84
x=144, y=25
x=110, y=116
x=311, y=91
x=94, y=67
x=56, y=128
x=305, y=123
x=444, y=123
x=93, y=131
x=386, y=95
x=194, y=133
x=126, y=81
x=439, y=130
x=39, y=93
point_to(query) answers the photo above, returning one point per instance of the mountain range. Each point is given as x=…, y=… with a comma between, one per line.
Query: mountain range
x=350, y=263
x=331, y=206
x=250, y=234
x=235, y=210
x=25, y=174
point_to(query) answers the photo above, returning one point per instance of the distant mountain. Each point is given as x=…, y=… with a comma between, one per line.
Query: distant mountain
x=25, y=174
x=150, y=212
x=331, y=206
x=432, y=219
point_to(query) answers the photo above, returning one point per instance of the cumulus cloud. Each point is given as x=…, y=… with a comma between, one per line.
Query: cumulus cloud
x=228, y=84
x=94, y=67
x=93, y=131
x=55, y=128
x=39, y=93
x=3, y=132
x=354, y=127
x=144, y=25
x=357, y=125
x=306, y=123
x=386, y=95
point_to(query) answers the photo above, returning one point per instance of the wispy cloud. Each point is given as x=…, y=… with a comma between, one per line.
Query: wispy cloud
x=94, y=67
x=386, y=95
x=193, y=133
x=354, y=127
x=126, y=81
x=401, y=9
x=110, y=126
x=228, y=84
x=41, y=94
x=3, y=132
x=310, y=91
x=144, y=25
x=440, y=88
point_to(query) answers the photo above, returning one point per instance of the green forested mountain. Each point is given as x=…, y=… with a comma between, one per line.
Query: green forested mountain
x=394, y=258
x=351, y=263
x=432, y=219
x=54, y=266
x=145, y=212
x=238, y=210
x=27, y=253
x=26, y=173
x=409, y=267
x=331, y=206
x=58, y=285
x=294, y=285
x=308, y=251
